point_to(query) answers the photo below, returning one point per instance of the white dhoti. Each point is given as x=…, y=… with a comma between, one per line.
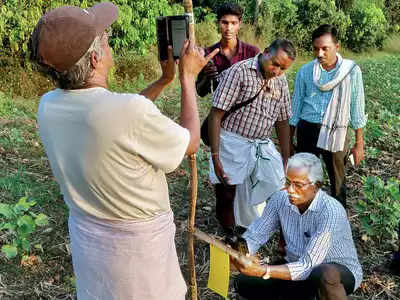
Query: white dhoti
x=125, y=260
x=255, y=167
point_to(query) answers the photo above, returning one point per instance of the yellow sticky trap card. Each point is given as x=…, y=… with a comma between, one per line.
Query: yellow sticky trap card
x=218, y=278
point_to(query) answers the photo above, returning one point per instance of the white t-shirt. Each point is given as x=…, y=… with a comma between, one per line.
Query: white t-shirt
x=109, y=152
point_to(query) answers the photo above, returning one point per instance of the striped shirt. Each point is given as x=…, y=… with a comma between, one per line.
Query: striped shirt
x=320, y=235
x=241, y=82
x=310, y=104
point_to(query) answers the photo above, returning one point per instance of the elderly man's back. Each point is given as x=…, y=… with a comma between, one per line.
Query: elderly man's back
x=103, y=147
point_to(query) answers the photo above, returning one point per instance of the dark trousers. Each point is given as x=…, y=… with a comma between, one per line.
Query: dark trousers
x=307, y=138
x=326, y=282
x=225, y=195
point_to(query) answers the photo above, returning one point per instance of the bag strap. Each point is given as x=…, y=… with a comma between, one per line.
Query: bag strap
x=240, y=105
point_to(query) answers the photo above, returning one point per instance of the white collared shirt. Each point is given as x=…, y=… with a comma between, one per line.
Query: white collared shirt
x=322, y=234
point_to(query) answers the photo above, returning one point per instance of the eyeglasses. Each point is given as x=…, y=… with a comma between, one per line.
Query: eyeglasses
x=296, y=185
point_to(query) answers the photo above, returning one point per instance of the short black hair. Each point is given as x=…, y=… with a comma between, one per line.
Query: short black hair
x=325, y=29
x=283, y=44
x=229, y=8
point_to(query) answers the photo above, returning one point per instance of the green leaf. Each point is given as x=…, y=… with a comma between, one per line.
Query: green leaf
x=23, y=205
x=9, y=251
x=26, y=245
x=42, y=220
x=374, y=218
x=8, y=226
x=26, y=225
x=5, y=210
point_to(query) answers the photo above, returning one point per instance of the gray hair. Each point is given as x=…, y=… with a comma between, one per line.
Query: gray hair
x=77, y=76
x=284, y=44
x=310, y=162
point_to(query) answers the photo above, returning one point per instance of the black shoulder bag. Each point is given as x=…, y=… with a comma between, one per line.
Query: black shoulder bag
x=204, y=127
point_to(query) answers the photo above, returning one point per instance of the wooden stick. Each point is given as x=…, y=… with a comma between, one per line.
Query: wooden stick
x=187, y=4
x=193, y=184
x=191, y=228
x=192, y=214
x=245, y=260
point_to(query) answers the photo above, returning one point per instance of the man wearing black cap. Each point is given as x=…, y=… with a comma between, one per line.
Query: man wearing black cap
x=109, y=152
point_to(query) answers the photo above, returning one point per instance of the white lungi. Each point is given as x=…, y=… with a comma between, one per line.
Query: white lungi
x=255, y=167
x=125, y=260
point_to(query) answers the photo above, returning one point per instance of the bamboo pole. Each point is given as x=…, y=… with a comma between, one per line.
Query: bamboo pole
x=187, y=4
x=191, y=229
x=192, y=213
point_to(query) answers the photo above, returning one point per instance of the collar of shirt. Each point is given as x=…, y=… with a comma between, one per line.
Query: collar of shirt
x=254, y=64
x=218, y=45
x=333, y=70
x=315, y=206
x=221, y=61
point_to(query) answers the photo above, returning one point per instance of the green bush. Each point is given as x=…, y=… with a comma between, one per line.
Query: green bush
x=392, y=13
x=312, y=13
x=204, y=14
x=201, y=6
x=134, y=29
x=296, y=20
x=17, y=23
x=207, y=33
x=18, y=223
x=380, y=209
x=368, y=27
x=277, y=19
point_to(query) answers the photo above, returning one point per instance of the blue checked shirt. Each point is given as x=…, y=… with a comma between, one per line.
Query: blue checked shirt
x=322, y=234
x=310, y=104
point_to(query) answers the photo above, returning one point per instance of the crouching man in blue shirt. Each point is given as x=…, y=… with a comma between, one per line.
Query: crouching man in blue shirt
x=321, y=257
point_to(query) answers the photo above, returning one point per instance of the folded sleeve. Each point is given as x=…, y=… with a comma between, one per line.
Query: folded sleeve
x=358, y=118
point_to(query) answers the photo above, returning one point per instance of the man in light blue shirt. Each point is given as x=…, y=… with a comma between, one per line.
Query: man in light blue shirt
x=317, y=106
x=321, y=258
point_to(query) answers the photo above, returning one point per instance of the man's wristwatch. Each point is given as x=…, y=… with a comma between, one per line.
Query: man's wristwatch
x=267, y=274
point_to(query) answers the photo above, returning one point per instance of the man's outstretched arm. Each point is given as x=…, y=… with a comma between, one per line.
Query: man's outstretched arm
x=168, y=75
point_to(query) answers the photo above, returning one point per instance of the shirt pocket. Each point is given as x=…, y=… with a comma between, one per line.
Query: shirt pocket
x=276, y=95
x=270, y=108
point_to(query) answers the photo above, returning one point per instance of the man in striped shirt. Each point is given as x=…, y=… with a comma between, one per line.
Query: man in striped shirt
x=321, y=257
x=311, y=103
x=244, y=161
